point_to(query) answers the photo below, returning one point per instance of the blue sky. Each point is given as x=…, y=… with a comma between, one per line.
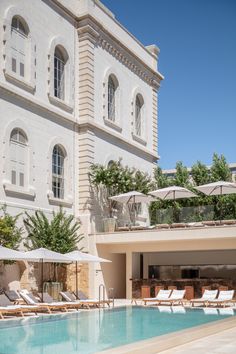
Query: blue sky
x=197, y=100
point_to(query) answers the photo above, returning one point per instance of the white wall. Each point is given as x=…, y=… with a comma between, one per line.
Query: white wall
x=29, y=108
x=129, y=85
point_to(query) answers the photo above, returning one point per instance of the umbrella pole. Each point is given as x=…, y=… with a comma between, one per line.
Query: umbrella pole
x=134, y=211
x=220, y=204
x=76, y=279
x=42, y=278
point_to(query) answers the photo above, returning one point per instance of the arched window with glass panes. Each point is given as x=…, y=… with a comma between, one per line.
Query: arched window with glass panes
x=18, y=158
x=60, y=61
x=138, y=125
x=19, y=46
x=58, y=172
x=111, y=100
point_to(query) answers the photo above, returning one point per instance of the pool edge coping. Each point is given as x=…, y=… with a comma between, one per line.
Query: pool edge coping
x=169, y=341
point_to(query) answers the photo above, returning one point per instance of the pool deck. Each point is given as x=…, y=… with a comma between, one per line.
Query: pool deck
x=220, y=343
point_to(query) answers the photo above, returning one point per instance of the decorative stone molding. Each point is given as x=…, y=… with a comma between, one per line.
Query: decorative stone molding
x=93, y=31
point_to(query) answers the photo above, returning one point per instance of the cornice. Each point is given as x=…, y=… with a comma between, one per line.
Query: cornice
x=36, y=103
x=90, y=123
x=89, y=26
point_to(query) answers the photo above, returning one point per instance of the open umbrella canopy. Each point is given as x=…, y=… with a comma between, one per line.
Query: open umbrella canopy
x=172, y=193
x=45, y=255
x=81, y=257
x=9, y=254
x=132, y=197
x=218, y=188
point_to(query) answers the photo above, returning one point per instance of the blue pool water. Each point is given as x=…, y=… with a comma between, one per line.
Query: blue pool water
x=92, y=331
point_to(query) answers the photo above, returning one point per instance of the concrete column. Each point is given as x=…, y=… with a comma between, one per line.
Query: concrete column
x=128, y=275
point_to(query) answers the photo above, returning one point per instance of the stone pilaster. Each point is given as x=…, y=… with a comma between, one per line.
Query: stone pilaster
x=88, y=36
x=154, y=119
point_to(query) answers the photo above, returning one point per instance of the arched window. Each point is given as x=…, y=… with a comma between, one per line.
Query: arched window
x=60, y=60
x=111, y=104
x=58, y=164
x=138, y=115
x=19, y=44
x=18, y=157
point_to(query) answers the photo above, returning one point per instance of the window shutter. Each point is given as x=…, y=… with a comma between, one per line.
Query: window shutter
x=18, y=160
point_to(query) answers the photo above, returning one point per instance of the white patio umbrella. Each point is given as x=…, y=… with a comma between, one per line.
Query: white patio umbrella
x=132, y=197
x=218, y=188
x=44, y=255
x=173, y=193
x=82, y=257
x=10, y=254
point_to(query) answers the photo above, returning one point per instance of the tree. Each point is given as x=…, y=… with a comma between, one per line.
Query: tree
x=182, y=175
x=161, y=179
x=59, y=235
x=10, y=233
x=200, y=174
x=115, y=179
x=220, y=170
x=142, y=182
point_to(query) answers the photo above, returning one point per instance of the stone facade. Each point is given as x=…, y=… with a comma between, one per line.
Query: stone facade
x=93, y=46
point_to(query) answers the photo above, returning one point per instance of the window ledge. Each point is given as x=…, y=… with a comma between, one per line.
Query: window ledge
x=15, y=191
x=19, y=81
x=60, y=202
x=139, y=139
x=60, y=103
x=112, y=125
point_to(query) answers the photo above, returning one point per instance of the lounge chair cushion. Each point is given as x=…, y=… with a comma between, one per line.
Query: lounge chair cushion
x=12, y=295
x=68, y=296
x=29, y=298
x=46, y=298
x=225, y=295
x=177, y=294
x=81, y=295
x=4, y=301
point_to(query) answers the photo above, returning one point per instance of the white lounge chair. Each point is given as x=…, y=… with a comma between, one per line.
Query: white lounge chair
x=6, y=308
x=31, y=300
x=176, y=298
x=225, y=298
x=208, y=295
x=162, y=295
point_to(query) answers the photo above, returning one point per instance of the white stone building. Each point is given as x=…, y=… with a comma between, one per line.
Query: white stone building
x=76, y=88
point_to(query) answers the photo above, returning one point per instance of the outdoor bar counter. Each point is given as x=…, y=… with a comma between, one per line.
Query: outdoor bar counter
x=144, y=287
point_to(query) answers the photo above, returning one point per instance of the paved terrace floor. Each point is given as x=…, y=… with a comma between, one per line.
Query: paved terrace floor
x=221, y=343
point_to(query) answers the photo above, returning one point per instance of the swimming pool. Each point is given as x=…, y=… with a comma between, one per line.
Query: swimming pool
x=92, y=331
